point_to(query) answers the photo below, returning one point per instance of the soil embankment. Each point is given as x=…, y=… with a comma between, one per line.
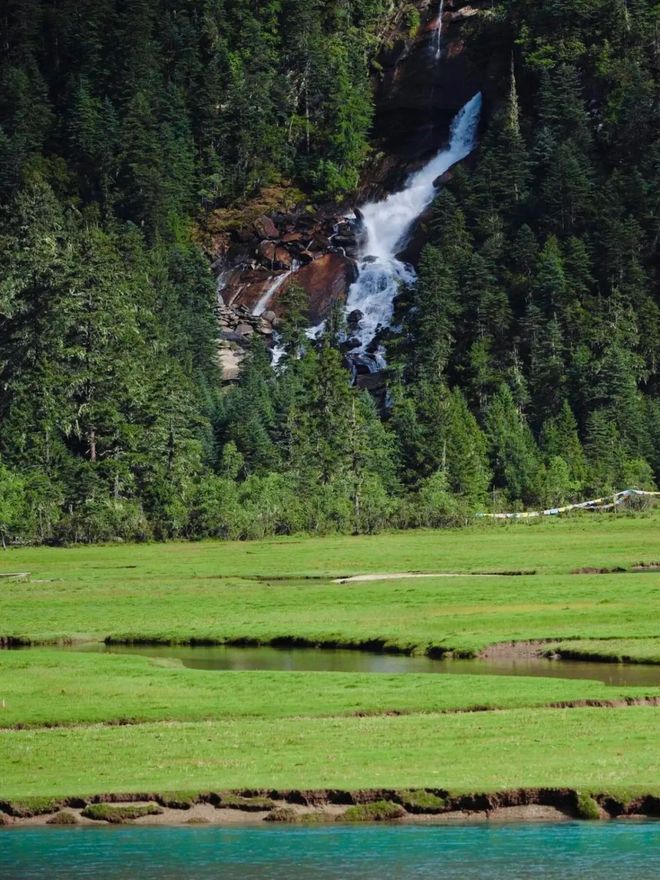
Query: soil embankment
x=326, y=806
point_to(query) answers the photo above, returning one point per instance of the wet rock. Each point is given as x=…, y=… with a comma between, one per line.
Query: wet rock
x=371, y=381
x=345, y=241
x=325, y=280
x=265, y=228
x=354, y=318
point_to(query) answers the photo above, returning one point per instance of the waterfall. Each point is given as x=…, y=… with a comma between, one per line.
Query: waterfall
x=386, y=226
x=437, y=36
x=272, y=289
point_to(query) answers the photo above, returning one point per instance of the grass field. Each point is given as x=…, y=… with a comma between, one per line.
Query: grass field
x=85, y=723
x=590, y=749
x=283, y=590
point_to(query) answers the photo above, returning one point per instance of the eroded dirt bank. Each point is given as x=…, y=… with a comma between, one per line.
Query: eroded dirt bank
x=252, y=807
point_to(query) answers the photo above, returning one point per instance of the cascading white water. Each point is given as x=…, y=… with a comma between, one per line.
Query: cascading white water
x=386, y=226
x=272, y=289
x=437, y=36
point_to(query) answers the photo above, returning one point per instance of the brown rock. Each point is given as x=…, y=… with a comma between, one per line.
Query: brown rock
x=293, y=236
x=267, y=251
x=245, y=330
x=325, y=280
x=265, y=228
x=283, y=258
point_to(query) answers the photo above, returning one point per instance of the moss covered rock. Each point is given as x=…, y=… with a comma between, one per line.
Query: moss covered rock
x=118, y=813
x=64, y=817
x=587, y=807
x=378, y=811
x=421, y=801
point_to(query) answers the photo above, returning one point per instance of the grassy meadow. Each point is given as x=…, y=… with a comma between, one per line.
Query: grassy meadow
x=284, y=589
x=83, y=723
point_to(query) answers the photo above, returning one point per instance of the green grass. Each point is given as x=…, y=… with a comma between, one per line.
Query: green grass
x=83, y=724
x=222, y=592
x=44, y=687
x=585, y=749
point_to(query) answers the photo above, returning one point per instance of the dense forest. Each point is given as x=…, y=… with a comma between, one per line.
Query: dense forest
x=525, y=371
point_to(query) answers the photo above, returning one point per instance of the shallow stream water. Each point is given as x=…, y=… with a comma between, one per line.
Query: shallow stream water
x=623, y=850
x=326, y=660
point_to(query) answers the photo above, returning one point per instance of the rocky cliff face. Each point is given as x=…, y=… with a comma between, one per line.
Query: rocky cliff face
x=258, y=257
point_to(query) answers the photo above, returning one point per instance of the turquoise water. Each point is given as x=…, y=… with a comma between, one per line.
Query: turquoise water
x=625, y=851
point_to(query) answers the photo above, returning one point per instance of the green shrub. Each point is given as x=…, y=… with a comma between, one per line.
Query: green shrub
x=413, y=20
x=118, y=813
x=63, y=818
x=421, y=801
x=378, y=811
x=587, y=808
x=197, y=820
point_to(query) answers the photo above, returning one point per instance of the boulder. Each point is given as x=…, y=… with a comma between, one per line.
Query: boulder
x=283, y=258
x=267, y=251
x=230, y=362
x=245, y=330
x=325, y=280
x=265, y=228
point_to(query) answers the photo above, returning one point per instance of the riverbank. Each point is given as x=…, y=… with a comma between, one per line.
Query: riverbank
x=253, y=807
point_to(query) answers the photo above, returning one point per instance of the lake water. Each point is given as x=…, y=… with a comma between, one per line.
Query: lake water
x=625, y=851
x=324, y=660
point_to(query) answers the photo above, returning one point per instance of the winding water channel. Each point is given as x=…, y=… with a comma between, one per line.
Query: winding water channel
x=326, y=660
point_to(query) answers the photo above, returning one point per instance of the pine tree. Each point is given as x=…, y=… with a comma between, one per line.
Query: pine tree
x=513, y=451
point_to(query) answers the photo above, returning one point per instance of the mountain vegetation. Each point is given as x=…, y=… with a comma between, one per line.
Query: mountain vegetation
x=526, y=370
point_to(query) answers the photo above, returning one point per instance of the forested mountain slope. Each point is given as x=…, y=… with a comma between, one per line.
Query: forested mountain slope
x=525, y=367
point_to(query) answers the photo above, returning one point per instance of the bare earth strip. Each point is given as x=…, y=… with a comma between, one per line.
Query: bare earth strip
x=405, y=575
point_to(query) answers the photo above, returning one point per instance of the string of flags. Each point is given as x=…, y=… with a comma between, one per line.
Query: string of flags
x=607, y=502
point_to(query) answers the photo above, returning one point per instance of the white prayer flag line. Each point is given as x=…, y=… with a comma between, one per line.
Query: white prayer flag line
x=607, y=502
